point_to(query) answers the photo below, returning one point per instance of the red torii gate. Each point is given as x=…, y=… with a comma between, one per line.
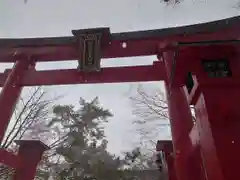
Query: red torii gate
x=199, y=64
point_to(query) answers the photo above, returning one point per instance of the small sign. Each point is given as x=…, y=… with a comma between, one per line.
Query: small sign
x=217, y=68
x=90, y=42
x=90, y=48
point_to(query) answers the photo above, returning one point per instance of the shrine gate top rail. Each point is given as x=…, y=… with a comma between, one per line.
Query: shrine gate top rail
x=139, y=43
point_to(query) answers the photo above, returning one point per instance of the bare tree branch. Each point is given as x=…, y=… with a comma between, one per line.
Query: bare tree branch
x=151, y=110
x=29, y=117
x=18, y=119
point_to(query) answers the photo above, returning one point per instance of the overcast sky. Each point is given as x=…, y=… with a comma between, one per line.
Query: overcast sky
x=39, y=18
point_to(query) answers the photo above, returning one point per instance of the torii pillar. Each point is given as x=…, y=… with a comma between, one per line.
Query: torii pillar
x=181, y=122
x=216, y=97
x=166, y=161
x=30, y=153
x=11, y=90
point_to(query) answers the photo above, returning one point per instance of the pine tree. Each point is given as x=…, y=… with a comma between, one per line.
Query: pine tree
x=82, y=152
